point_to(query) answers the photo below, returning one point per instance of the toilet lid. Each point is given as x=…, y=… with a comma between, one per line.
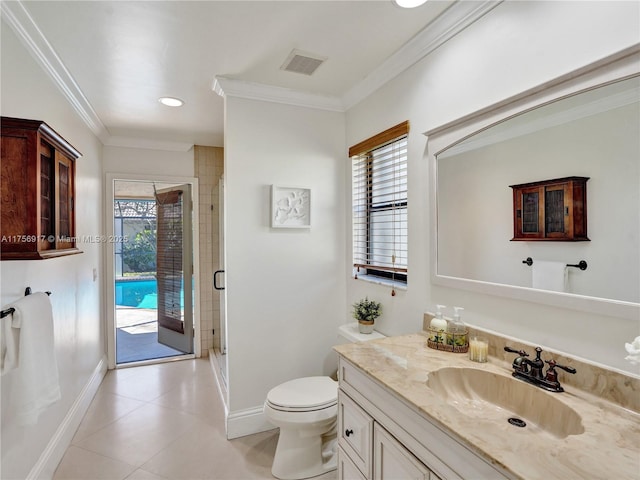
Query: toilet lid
x=308, y=392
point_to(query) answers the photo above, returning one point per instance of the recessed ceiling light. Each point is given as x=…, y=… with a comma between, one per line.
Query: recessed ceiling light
x=409, y=3
x=171, y=101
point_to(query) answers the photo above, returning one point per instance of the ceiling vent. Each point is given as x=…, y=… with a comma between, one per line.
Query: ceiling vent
x=302, y=62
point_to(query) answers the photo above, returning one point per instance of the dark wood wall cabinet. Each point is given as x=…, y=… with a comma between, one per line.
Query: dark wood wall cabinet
x=551, y=210
x=37, y=191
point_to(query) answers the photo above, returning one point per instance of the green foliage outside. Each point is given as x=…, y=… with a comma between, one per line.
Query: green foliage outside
x=139, y=253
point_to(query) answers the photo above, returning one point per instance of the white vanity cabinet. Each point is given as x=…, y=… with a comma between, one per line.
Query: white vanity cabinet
x=355, y=429
x=383, y=437
x=392, y=461
x=367, y=451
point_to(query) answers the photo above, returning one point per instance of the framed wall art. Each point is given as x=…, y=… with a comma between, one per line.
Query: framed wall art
x=290, y=207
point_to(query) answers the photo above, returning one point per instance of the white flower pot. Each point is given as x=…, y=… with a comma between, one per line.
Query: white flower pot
x=365, y=327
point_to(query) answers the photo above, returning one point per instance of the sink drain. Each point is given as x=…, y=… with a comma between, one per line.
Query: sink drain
x=517, y=422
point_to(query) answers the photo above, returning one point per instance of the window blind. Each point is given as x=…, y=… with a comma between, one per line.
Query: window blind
x=379, y=218
x=169, y=260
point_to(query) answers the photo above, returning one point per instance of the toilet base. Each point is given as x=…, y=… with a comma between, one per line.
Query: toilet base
x=298, y=457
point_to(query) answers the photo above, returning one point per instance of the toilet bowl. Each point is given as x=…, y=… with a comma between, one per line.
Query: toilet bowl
x=306, y=410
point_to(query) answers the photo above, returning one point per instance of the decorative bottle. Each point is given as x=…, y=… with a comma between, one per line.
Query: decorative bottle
x=438, y=327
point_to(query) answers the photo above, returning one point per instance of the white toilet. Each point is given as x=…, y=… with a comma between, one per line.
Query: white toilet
x=306, y=410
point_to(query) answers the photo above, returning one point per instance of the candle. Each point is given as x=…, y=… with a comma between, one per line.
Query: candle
x=478, y=349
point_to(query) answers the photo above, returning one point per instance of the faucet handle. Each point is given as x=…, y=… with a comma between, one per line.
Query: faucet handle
x=552, y=364
x=522, y=353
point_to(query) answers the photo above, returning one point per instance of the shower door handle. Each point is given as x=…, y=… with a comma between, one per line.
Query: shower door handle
x=215, y=280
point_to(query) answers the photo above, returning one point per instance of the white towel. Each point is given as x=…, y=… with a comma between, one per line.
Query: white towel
x=8, y=345
x=36, y=384
x=549, y=275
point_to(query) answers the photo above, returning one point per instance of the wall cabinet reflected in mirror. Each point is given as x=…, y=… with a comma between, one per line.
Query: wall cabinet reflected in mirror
x=551, y=210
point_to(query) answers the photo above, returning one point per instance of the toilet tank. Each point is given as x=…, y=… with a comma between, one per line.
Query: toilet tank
x=348, y=333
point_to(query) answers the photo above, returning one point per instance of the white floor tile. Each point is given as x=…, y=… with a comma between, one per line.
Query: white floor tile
x=105, y=409
x=196, y=398
x=80, y=464
x=139, y=435
x=141, y=474
x=142, y=383
x=164, y=422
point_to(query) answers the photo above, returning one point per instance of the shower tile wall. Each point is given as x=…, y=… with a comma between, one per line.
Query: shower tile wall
x=209, y=164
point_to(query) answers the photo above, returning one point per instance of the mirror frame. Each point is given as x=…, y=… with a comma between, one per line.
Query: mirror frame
x=614, y=68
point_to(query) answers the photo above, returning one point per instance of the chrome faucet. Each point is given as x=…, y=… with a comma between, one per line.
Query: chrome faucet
x=531, y=370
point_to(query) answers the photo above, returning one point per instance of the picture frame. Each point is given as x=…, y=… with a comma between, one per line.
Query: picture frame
x=290, y=207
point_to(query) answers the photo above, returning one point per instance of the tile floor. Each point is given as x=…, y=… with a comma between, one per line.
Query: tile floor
x=163, y=421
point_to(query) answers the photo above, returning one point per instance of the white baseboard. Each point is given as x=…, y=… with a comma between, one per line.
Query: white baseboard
x=46, y=465
x=247, y=422
x=242, y=422
x=220, y=382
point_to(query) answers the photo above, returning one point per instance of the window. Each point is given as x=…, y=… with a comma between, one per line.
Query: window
x=379, y=217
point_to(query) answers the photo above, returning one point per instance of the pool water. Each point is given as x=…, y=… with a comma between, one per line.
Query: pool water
x=139, y=293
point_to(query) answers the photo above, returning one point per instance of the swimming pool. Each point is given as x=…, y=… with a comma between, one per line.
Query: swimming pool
x=139, y=293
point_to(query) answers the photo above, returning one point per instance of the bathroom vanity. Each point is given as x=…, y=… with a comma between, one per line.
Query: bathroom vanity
x=381, y=436
x=407, y=411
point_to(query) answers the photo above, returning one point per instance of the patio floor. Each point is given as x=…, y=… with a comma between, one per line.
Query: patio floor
x=137, y=336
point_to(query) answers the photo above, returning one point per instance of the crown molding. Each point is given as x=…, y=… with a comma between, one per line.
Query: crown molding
x=146, y=143
x=17, y=17
x=452, y=21
x=229, y=87
x=455, y=19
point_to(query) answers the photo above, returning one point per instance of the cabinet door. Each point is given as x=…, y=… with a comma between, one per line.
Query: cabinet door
x=347, y=470
x=355, y=433
x=528, y=212
x=557, y=211
x=48, y=215
x=64, y=181
x=392, y=461
x=17, y=181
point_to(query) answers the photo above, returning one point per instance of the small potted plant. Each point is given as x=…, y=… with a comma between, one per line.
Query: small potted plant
x=366, y=311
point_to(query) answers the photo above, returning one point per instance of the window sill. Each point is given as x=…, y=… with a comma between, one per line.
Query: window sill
x=382, y=281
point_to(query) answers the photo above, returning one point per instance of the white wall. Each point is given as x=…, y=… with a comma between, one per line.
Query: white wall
x=79, y=340
x=285, y=291
x=146, y=161
x=515, y=47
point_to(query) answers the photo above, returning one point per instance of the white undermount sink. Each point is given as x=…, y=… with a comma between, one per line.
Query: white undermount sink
x=490, y=396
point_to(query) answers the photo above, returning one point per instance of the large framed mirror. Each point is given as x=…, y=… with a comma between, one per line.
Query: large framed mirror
x=585, y=124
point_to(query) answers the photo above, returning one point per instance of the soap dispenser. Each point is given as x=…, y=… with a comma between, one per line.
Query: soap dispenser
x=438, y=327
x=457, y=331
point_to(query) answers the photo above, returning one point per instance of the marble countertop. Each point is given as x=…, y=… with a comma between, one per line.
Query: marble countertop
x=608, y=448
